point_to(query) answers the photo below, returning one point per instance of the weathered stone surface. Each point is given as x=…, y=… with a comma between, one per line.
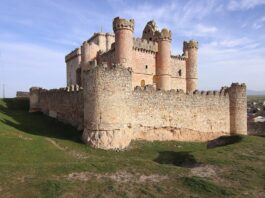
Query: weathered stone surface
x=66, y=106
x=112, y=139
x=136, y=89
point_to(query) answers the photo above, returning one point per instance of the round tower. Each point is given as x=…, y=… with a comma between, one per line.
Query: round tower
x=238, y=108
x=163, y=68
x=84, y=55
x=191, y=50
x=123, y=30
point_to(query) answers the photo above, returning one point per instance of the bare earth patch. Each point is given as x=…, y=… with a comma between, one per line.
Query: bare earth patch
x=24, y=138
x=55, y=144
x=76, y=154
x=120, y=176
x=204, y=171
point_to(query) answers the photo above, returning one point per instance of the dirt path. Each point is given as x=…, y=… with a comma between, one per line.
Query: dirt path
x=120, y=176
x=74, y=153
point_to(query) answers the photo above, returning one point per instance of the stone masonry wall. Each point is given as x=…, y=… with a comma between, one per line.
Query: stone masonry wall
x=114, y=114
x=107, y=93
x=178, y=73
x=174, y=115
x=65, y=105
x=143, y=67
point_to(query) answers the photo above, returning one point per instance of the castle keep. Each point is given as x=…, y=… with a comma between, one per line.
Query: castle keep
x=121, y=88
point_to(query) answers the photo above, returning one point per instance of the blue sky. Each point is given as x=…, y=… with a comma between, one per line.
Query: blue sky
x=35, y=36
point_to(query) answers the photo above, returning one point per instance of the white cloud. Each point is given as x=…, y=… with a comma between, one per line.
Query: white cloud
x=176, y=14
x=235, y=42
x=205, y=29
x=244, y=4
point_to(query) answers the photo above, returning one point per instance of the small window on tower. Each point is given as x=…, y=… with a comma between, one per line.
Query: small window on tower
x=146, y=66
x=180, y=73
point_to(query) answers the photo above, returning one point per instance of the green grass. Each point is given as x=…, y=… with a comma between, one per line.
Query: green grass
x=41, y=157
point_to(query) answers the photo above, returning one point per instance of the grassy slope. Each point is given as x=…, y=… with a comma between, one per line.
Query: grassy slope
x=38, y=156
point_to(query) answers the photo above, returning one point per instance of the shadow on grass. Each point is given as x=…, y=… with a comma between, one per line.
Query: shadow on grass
x=181, y=159
x=35, y=123
x=223, y=141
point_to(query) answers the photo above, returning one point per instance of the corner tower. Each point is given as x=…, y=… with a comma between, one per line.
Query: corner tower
x=163, y=68
x=123, y=30
x=238, y=108
x=190, y=49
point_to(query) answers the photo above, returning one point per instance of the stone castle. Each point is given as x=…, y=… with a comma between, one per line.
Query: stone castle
x=121, y=88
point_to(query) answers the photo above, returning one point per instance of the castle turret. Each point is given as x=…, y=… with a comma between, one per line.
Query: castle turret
x=123, y=30
x=238, y=108
x=190, y=49
x=163, y=67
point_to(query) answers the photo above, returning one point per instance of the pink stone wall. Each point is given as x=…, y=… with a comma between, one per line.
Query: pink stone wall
x=143, y=65
x=163, y=58
x=123, y=46
x=108, y=57
x=178, y=66
x=163, y=79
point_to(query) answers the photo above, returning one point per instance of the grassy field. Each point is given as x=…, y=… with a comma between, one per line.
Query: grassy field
x=40, y=157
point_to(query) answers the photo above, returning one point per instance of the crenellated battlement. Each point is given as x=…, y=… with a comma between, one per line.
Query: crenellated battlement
x=144, y=45
x=179, y=57
x=165, y=34
x=97, y=34
x=119, y=23
x=238, y=85
x=190, y=44
x=73, y=54
x=151, y=89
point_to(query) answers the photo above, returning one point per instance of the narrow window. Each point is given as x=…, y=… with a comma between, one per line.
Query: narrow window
x=180, y=73
x=142, y=83
x=146, y=66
